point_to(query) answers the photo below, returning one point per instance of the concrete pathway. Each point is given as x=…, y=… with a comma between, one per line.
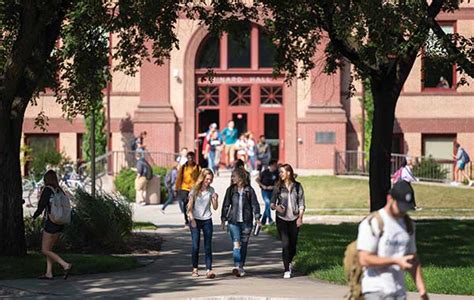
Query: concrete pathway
x=169, y=276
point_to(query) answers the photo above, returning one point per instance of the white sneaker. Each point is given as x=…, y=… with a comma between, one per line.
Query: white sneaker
x=241, y=272
x=287, y=275
x=455, y=183
x=470, y=183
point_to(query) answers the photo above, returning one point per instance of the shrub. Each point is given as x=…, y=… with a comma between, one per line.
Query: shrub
x=428, y=168
x=125, y=183
x=33, y=232
x=99, y=224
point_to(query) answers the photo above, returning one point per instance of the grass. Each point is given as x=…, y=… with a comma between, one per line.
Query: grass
x=34, y=265
x=144, y=226
x=445, y=248
x=323, y=192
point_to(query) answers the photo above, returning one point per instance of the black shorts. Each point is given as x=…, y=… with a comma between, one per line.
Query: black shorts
x=52, y=228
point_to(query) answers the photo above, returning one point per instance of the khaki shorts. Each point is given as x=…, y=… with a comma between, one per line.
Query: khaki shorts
x=140, y=183
x=229, y=151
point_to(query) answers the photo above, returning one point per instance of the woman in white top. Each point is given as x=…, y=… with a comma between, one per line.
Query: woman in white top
x=201, y=197
x=289, y=203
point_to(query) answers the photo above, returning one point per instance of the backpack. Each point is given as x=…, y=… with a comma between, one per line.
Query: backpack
x=60, y=212
x=397, y=175
x=352, y=267
x=148, y=171
x=169, y=179
x=465, y=157
x=134, y=145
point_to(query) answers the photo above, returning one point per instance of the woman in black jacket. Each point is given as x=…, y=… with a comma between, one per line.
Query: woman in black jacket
x=289, y=203
x=239, y=210
x=51, y=231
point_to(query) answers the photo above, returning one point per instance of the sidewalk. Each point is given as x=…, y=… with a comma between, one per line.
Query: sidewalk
x=169, y=276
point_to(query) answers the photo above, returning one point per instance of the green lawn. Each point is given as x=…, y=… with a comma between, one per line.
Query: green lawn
x=323, y=192
x=445, y=249
x=34, y=265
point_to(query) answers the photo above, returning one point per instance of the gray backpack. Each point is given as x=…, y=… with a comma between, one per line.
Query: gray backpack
x=60, y=212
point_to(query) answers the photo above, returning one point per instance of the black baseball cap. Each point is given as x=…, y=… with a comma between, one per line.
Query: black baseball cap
x=403, y=193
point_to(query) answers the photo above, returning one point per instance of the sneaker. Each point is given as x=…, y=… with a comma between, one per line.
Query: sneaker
x=241, y=272
x=287, y=275
x=455, y=183
x=235, y=272
x=470, y=183
x=195, y=273
x=210, y=274
x=142, y=203
x=417, y=208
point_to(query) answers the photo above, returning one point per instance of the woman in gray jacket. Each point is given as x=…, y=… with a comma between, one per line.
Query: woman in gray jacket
x=288, y=201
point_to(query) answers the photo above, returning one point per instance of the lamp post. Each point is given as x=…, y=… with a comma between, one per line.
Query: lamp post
x=93, y=150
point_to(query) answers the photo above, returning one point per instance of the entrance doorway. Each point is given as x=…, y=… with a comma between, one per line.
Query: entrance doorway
x=240, y=120
x=271, y=131
x=206, y=118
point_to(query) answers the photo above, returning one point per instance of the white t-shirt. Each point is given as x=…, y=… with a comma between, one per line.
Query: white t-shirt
x=407, y=175
x=250, y=147
x=394, y=242
x=240, y=210
x=289, y=215
x=202, y=205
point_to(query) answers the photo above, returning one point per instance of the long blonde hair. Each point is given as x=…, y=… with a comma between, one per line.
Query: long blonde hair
x=197, y=187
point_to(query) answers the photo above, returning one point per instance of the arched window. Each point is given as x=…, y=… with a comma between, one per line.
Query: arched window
x=209, y=55
x=266, y=50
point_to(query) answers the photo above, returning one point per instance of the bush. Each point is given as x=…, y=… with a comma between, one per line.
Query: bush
x=125, y=183
x=33, y=232
x=429, y=169
x=99, y=224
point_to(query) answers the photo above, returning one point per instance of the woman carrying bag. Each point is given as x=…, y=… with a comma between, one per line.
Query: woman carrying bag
x=288, y=201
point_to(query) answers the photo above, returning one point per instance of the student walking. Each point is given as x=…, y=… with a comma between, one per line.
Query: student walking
x=239, y=210
x=170, y=183
x=289, y=202
x=462, y=159
x=387, y=248
x=212, y=147
x=230, y=135
x=201, y=197
x=187, y=176
x=267, y=180
x=144, y=175
x=51, y=230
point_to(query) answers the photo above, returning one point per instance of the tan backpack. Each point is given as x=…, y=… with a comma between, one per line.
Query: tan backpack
x=352, y=267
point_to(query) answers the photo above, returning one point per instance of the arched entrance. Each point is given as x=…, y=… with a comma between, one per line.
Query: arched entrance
x=242, y=88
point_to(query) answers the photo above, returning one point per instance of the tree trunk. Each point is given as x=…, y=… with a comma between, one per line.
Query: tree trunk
x=12, y=232
x=385, y=99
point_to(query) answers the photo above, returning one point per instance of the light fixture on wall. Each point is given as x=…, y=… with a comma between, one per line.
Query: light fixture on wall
x=176, y=73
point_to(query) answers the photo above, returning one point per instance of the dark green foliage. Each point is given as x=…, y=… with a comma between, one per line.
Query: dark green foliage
x=125, y=183
x=33, y=232
x=428, y=168
x=100, y=134
x=99, y=224
x=46, y=159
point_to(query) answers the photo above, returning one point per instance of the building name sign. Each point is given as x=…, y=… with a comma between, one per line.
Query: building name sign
x=240, y=79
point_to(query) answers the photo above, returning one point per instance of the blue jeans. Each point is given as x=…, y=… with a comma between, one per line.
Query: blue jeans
x=267, y=214
x=253, y=162
x=211, y=161
x=182, y=197
x=169, y=200
x=240, y=234
x=206, y=227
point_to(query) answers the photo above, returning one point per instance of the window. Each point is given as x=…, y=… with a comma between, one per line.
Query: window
x=209, y=56
x=239, y=51
x=79, y=148
x=267, y=51
x=239, y=95
x=437, y=71
x=439, y=147
x=271, y=95
x=207, y=96
x=326, y=137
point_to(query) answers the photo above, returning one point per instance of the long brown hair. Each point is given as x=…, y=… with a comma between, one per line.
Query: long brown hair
x=51, y=178
x=242, y=174
x=291, y=177
x=197, y=187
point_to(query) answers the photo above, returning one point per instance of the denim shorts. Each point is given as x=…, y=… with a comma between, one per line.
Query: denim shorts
x=461, y=165
x=52, y=228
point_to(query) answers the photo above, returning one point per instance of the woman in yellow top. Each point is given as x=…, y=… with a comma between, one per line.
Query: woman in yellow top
x=187, y=177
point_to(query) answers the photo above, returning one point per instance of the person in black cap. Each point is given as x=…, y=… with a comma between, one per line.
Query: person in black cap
x=387, y=248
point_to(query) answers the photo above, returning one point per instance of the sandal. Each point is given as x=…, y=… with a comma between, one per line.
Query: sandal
x=195, y=273
x=210, y=275
x=44, y=277
x=67, y=271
